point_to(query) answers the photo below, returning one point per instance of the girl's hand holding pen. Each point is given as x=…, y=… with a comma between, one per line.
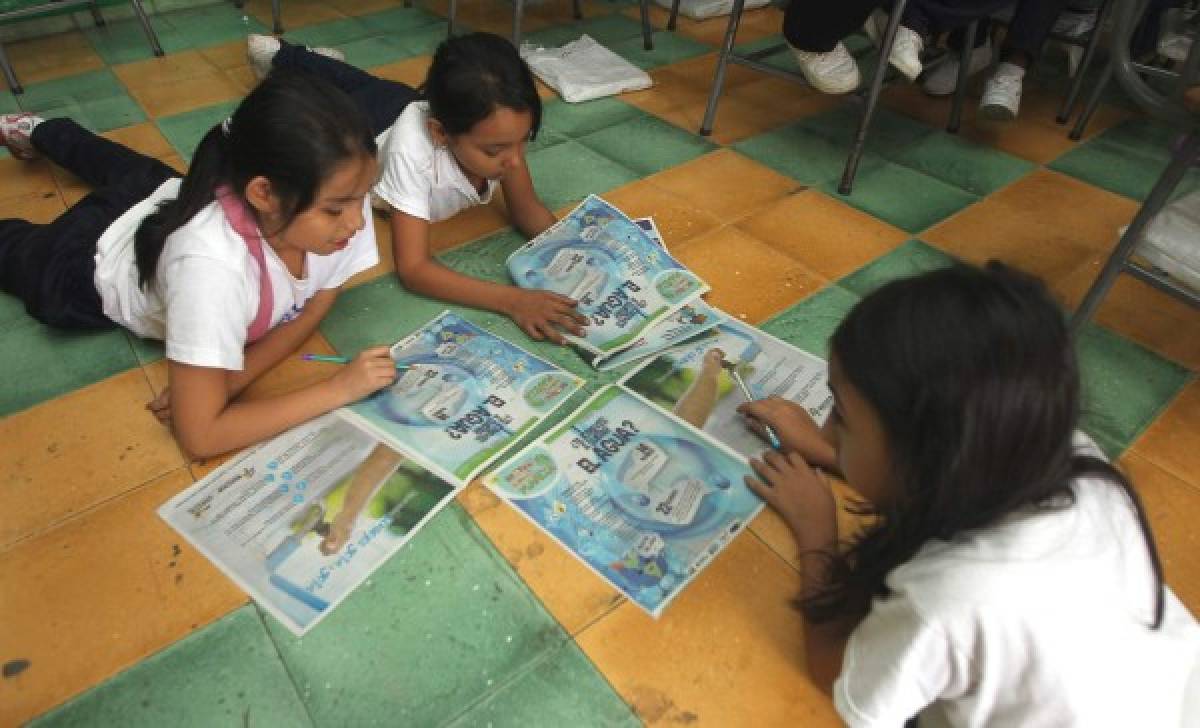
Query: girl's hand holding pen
x=796, y=430
x=371, y=370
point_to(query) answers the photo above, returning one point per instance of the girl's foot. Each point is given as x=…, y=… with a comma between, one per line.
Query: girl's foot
x=261, y=49
x=15, y=130
x=834, y=72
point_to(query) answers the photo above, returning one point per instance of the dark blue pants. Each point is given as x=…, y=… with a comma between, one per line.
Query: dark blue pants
x=380, y=99
x=51, y=267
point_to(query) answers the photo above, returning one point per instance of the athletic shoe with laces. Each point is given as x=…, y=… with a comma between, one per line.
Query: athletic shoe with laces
x=942, y=79
x=834, y=72
x=15, y=130
x=261, y=49
x=1002, y=94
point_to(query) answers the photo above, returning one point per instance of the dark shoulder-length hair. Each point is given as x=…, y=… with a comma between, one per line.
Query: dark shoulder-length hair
x=973, y=375
x=293, y=129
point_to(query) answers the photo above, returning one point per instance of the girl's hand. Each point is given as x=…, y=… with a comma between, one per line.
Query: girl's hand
x=796, y=429
x=160, y=407
x=371, y=370
x=801, y=495
x=540, y=314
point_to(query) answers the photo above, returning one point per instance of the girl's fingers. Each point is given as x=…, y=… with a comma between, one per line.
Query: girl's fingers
x=763, y=470
x=531, y=330
x=568, y=323
x=564, y=300
x=760, y=489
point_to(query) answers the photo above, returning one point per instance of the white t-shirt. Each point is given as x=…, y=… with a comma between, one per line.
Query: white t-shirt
x=1038, y=621
x=206, y=284
x=420, y=178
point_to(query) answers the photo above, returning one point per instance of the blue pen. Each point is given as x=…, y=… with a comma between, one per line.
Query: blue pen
x=737, y=377
x=342, y=360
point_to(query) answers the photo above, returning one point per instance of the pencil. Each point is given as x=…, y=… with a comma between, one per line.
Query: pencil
x=342, y=360
x=737, y=377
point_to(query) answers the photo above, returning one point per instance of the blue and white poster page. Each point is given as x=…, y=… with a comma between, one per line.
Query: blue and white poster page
x=462, y=396
x=645, y=500
x=623, y=280
x=691, y=382
x=299, y=521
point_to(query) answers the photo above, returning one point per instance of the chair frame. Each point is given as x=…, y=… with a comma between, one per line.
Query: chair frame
x=576, y=11
x=1166, y=108
x=10, y=75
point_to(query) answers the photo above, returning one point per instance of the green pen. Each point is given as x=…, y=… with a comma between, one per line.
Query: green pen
x=342, y=360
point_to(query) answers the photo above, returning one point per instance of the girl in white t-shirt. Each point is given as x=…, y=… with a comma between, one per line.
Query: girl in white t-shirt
x=233, y=266
x=444, y=148
x=1006, y=574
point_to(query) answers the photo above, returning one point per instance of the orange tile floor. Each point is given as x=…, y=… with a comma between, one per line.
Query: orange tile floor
x=107, y=618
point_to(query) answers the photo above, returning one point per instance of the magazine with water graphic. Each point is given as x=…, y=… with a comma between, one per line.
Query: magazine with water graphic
x=641, y=497
x=303, y=519
x=462, y=396
x=689, y=380
x=623, y=280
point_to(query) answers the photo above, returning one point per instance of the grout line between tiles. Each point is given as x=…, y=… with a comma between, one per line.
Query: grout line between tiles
x=262, y=620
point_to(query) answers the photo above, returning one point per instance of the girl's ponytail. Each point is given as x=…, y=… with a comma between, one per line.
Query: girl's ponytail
x=210, y=169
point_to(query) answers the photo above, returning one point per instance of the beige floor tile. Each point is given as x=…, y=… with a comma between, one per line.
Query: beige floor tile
x=168, y=99
x=226, y=55
x=410, y=71
x=471, y=224
x=1035, y=135
x=1173, y=508
x=77, y=451
x=100, y=592
x=174, y=68
x=1172, y=442
x=144, y=138
x=572, y=592
x=727, y=652
x=824, y=234
x=475, y=498
x=775, y=533
x=22, y=180
x=676, y=217
x=1139, y=311
x=52, y=56
x=296, y=13
x=749, y=278
x=1046, y=223
x=40, y=209
x=725, y=184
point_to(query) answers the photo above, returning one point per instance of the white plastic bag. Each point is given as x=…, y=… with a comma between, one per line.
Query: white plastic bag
x=701, y=9
x=583, y=70
x=1171, y=242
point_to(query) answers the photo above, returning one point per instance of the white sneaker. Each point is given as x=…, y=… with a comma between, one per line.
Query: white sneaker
x=15, y=130
x=906, y=53
x=261, y=49
x=834, y=72
x=942, y=79
x=1002, y=94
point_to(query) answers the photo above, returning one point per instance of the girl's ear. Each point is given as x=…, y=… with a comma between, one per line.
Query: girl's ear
x=438, y=132
x=261, y=196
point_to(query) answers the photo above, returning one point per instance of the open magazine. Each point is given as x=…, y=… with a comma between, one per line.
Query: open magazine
x=644, y=483
x=624, y=281
x=300, y=521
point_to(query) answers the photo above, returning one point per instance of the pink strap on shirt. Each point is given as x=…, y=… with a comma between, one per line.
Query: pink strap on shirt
x=243, y=223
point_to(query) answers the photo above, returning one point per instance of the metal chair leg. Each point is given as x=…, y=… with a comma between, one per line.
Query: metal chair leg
x=1166, y=184
x=1089, y=52
x=518, y=15
x=451, y=17
x=10, y=76
x=964, y=73
x=1093, y=102
x=276, y=17
x=146, y=27
x=408, y=3
x=674, y=15
x=860, y=138
x=96, y=16
x=647, y=31
x=577, y=9
x=710, y=111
